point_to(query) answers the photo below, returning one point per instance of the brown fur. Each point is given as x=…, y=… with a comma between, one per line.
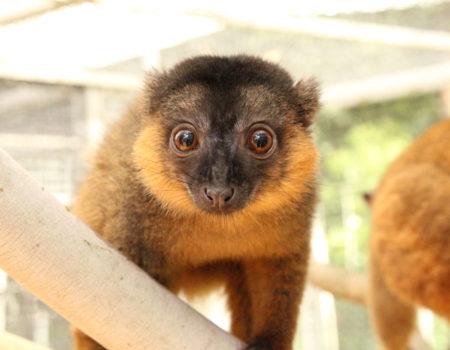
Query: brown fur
x=410, y=247
x=259, y=253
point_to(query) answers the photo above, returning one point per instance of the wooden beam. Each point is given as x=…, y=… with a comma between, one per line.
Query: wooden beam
x=63, y=262
x=36, y=11
x=39, y=142
x=79, y=78
x=10, y=341
x=338, y=29
x=389, y=86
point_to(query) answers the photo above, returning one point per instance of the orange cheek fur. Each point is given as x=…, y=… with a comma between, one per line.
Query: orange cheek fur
x=158, y=176
x=299, y=173
x=161, y=179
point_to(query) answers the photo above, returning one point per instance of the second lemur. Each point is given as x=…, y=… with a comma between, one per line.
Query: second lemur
x=209, y=179
x=410, y=243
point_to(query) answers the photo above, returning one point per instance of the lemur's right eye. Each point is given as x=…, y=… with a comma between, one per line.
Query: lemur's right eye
x=260, y=141
x=184, y=139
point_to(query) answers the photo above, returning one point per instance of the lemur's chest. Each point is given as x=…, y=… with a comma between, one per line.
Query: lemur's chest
x=202, y=241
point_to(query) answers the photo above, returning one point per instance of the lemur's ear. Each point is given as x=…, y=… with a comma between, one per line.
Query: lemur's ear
x=154, y=89
x=368, y=196
x=308, y=93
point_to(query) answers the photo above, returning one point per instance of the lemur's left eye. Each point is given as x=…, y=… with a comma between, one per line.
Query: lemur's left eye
x=184, y=139
x=260, y=141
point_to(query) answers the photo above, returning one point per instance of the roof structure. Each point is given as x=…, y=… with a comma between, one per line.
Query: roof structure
x=358, y=57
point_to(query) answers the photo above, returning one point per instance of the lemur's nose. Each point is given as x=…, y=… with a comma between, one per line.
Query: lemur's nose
x=219, y=197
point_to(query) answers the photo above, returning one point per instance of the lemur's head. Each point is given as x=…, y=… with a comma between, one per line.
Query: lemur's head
x=227, y=134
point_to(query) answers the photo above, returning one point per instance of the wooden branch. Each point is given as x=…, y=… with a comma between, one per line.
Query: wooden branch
x=351, y=286
x=63, y=262
x=10, y=341
x=342, y=283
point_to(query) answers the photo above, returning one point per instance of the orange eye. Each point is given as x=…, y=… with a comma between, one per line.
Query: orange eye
x=260, y=141
x=185, y=140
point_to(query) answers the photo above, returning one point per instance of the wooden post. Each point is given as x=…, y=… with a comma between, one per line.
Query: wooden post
x=63, y=262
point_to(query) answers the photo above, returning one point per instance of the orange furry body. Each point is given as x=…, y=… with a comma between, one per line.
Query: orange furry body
x=252, y=247
x=410, y=248
x=211, y=179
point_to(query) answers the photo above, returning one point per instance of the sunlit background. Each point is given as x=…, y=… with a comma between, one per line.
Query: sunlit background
x=69, y=68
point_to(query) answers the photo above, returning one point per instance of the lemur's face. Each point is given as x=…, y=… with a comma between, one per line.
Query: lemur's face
x=224, y=135
x=224, y=146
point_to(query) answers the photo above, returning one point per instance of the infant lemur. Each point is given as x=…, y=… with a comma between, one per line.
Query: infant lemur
x=209, y=179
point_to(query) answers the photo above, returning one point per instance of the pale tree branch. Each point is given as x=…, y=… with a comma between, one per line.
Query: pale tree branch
x=66, y=265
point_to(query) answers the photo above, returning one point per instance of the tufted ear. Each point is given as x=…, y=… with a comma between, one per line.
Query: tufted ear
x=154, y=90
x=368, y=197
x=308, y=93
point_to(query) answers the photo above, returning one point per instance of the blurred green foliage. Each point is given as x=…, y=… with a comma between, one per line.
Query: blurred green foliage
x=354, y=328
